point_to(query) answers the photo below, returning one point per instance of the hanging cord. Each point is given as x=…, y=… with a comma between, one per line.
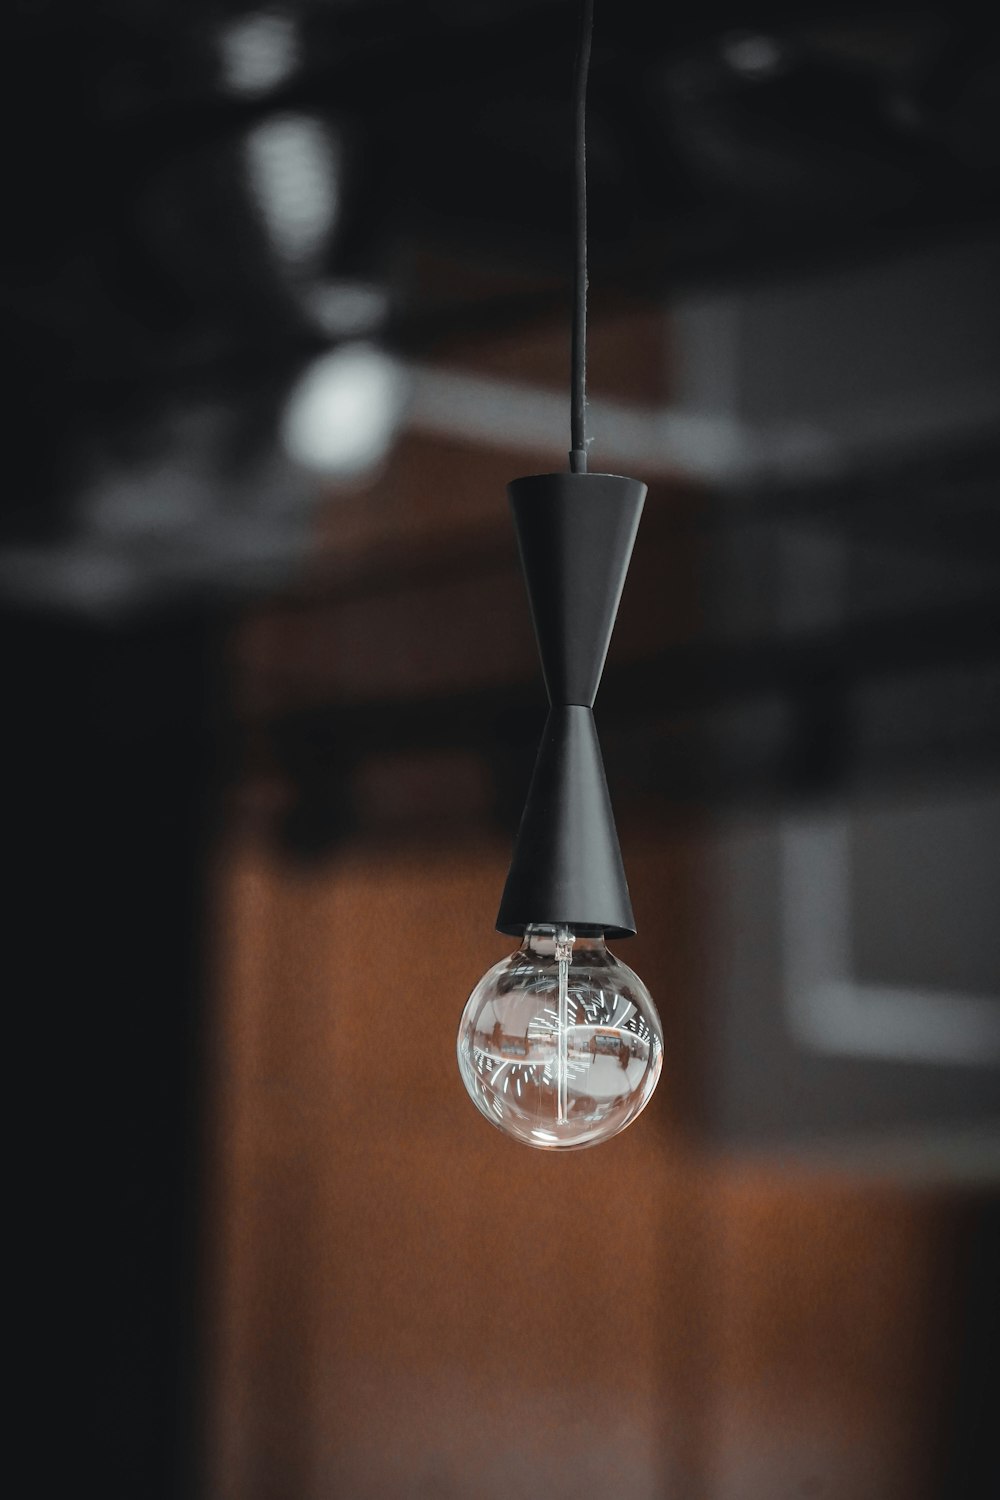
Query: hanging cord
x=578, y=347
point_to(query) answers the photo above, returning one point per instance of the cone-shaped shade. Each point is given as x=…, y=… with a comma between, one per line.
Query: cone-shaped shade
x=575, y=532
x=567, y=866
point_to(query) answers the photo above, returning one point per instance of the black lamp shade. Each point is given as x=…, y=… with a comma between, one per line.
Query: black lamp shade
x=575, y=533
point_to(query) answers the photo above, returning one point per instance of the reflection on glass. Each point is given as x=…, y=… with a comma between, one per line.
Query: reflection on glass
x=560, y=1045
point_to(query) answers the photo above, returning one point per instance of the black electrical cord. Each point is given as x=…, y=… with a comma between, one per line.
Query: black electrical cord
x=578, y=346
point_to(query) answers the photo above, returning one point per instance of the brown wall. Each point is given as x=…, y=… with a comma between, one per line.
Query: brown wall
x=408, y=1304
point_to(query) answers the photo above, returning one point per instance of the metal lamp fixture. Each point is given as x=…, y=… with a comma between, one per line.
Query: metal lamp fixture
x=560, y=1045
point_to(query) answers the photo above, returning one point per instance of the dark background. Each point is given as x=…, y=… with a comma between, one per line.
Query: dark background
x=285, y=305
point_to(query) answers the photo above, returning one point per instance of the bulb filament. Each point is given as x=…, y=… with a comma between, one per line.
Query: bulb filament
x=564, y=951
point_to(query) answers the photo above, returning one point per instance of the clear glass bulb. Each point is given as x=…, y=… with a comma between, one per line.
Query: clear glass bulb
x=560, y=1045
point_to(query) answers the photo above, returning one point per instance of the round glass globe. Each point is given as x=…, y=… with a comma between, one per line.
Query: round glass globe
x=560, y=1045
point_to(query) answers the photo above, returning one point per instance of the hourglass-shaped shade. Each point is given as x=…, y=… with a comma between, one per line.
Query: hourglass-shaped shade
x=575, y=534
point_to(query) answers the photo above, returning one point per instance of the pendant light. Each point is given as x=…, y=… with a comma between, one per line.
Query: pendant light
x=560, y=1045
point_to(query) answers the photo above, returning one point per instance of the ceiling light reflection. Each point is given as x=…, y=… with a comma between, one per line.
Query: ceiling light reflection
x=343, y=413
x=258, y=51
x=294, y=170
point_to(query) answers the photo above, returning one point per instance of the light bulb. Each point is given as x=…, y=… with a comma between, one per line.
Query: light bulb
x=560, y=1045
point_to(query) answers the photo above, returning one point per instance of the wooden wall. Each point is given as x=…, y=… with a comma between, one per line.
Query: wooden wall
x=407, y=1304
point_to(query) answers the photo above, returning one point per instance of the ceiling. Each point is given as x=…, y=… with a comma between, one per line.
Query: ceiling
x=208, y=196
